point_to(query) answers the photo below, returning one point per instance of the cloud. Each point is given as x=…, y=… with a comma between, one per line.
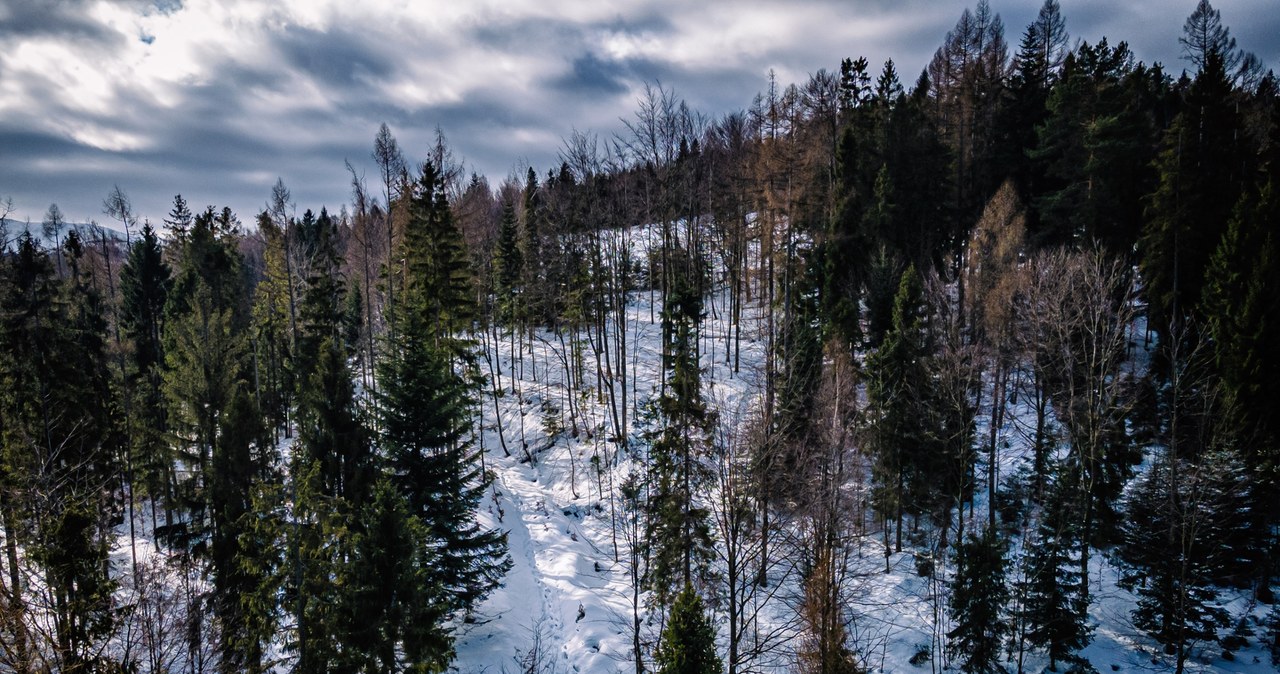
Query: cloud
x=216, y=98
x=69, y=20
x=337, y=59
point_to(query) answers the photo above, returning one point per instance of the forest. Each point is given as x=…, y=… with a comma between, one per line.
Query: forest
x=967, y=372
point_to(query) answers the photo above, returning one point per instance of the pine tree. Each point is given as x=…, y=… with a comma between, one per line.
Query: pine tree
x=145, y=283
x=1200, y=165
x=392, y=608
x=1053, y=607
x=680, y=524
x=1094, y=149
x=1170, y=547
x=688, y=644
x=57, y=454
x=898, y=380
x=978, y=598
x=427, y=401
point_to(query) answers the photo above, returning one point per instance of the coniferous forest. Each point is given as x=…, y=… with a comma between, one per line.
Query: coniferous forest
x=974, y=369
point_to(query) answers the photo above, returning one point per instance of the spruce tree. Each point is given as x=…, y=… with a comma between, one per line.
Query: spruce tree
x=427, y=400
x=688, y=643
x=264, y=545
x=331, y=429
x=1173, y=540
x=1053, y=606
x=1242, y=312
x=202, y=371
x=272, y=346
x=315, y=537
x=321, y=311
x=1036, y=68
x=978, y=598
x=680, y=523
x=1094, y=151
x=510, y=266
x=145, y=282
x=233, y=472
x=921, y=224
x=392, y=608
x=58, y=447
x=330, y=425
x=205, y=366
x=846, y=241
x=532, y=245
x=84, y=444
x=800, y=358
x=898, y=381
x=1200, y=165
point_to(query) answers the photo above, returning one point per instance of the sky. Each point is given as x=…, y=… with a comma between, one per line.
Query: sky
x=217, y=99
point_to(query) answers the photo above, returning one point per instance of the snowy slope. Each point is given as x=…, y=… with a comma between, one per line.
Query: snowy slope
x=566, y=604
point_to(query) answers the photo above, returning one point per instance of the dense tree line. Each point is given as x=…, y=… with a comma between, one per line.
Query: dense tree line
x=1063, y=249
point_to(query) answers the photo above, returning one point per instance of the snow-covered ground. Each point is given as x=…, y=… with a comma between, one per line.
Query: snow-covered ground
x=566, y=603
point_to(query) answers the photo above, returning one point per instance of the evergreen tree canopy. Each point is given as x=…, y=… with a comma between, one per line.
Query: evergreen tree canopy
x=978, y=597
x=688, y=644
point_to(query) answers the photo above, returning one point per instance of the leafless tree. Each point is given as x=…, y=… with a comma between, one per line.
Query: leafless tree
x=51, y=228
x=153, y=619
x=824, y=533
x=393, y=171
x=993, y=257
x=754, y=639
x=1081, y=308
x=541, y=655
x=364, y=255
x=118, y=206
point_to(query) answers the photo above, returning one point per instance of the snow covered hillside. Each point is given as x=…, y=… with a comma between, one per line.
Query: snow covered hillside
x=567, y=603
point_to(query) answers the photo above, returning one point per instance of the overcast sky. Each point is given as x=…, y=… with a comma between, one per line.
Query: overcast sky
x=215, y=99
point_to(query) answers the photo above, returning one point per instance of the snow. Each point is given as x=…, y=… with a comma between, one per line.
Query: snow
x=567, y=592
x=566, y=603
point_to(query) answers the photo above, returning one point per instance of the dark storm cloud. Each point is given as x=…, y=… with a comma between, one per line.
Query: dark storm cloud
x=337, y=58
x=45, y=18
x=22, y=145
x=591, y=75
